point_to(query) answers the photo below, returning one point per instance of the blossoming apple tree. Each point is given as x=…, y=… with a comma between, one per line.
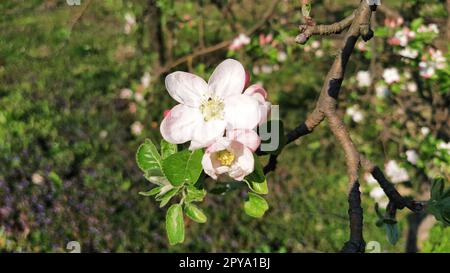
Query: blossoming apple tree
x=214, y=135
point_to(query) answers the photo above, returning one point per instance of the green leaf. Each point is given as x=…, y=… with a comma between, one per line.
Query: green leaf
x=147, y=156
x=195, y=213
x=175, y=224
x=151, y=192
x=255, y=206
x=437, y=188
x=194, y=195
x=183, y=167
x=392, y=233
x=167, y=149
x=165, y=198
x=272, y=136
x=416, y=23
x=257, y=180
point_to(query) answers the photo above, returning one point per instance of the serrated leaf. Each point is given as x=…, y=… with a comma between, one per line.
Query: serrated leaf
x=195, y=213
x=183, y=167
x=194, y=195
x=167, y=149
x=147, y=156
x=255, y=206
x=175, y=224
x=392, y=233
x=257, y=181
x=151, y=192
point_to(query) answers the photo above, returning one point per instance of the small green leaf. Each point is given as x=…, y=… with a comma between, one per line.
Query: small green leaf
x=183, y=167
x=147, y=156
x=255, y=206
x=151, y=192
x=257, y=180
x=167, y=149
x=194, y=195
x=392, y=233
x=165, y=198
x=175, y=224
x=195, y=213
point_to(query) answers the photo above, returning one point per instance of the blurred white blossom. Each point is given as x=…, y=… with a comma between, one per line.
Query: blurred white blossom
x=363, y=78
x=355, y=113
x=396, y=173
x=126, y=93
x=240, y=41
x=370, y=179
x=136, y=128
x=130, y=22
x=282, y=56
x=391, y=75
x=412, y=156
x=408, y=52
x=411, y=87
x=145, y=79
x=381, y=90
x=424, y=131
x=37, y=179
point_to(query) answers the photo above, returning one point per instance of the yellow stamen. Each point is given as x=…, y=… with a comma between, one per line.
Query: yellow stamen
x=212, y=109
x=225, y=157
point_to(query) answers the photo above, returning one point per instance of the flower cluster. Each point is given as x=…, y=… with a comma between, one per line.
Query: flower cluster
x=218, y=115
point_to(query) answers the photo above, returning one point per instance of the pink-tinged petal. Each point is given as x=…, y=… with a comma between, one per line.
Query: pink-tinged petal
x=247, y=79
x=256, y=91
x=248, y=137
x=241, y=112
x=186, y=88
x=227, y=79
x=178, y=125
x=243, y=166
x=206, y=133
x=207, y=165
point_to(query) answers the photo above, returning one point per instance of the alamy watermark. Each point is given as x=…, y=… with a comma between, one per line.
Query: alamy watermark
x=373, y=2
x=73, y=2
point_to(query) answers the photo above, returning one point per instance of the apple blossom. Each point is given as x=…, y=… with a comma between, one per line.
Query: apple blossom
x=231, y=156
x=391, y=75
x=130, y=21
x=370, y=179
x=363, y=78
x=381, y=90
x=136, y=128
x=396, y=173
x=240, y=41
x=412, y=156
x=355, y=113
x=408, y=52
x=207, y=109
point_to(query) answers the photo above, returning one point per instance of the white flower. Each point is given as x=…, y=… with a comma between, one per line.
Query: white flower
x=377, y=193
x=444, y=146
x=266, y=68
x=411, y=87
x=363, y=78
x=126, y=93
x=391, y=75
x=103, y=134
x=37, y=179
x=412, y=156
x=370, y=179
x=206, y=109
x=138, y=97
x=381, y=90
x=136, y=128
x=396, y=173
x=130, y=21
x=361, y=46
x=145, y=80
x=231, y=155
x=408, y=52
x=355, y=113
x=319, y=53
x=430, y=28
x=282, y=56
x=424, y=131
x=315, y=44
x=239, y=41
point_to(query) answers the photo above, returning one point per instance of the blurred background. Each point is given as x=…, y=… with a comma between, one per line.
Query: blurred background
x=81, y=86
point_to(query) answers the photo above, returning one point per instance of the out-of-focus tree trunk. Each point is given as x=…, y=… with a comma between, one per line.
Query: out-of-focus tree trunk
x=156, y=31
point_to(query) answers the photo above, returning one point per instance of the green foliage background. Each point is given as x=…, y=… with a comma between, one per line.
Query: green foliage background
x=62, y=117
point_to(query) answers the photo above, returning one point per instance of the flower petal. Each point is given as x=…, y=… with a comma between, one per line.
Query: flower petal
x=243, y=166
x=178, y=125
x=227, y=79
x=241, y=112
x=186, y=88
x=248, y=137
x=256, y=91
x=207, y=165
x=206, y=133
